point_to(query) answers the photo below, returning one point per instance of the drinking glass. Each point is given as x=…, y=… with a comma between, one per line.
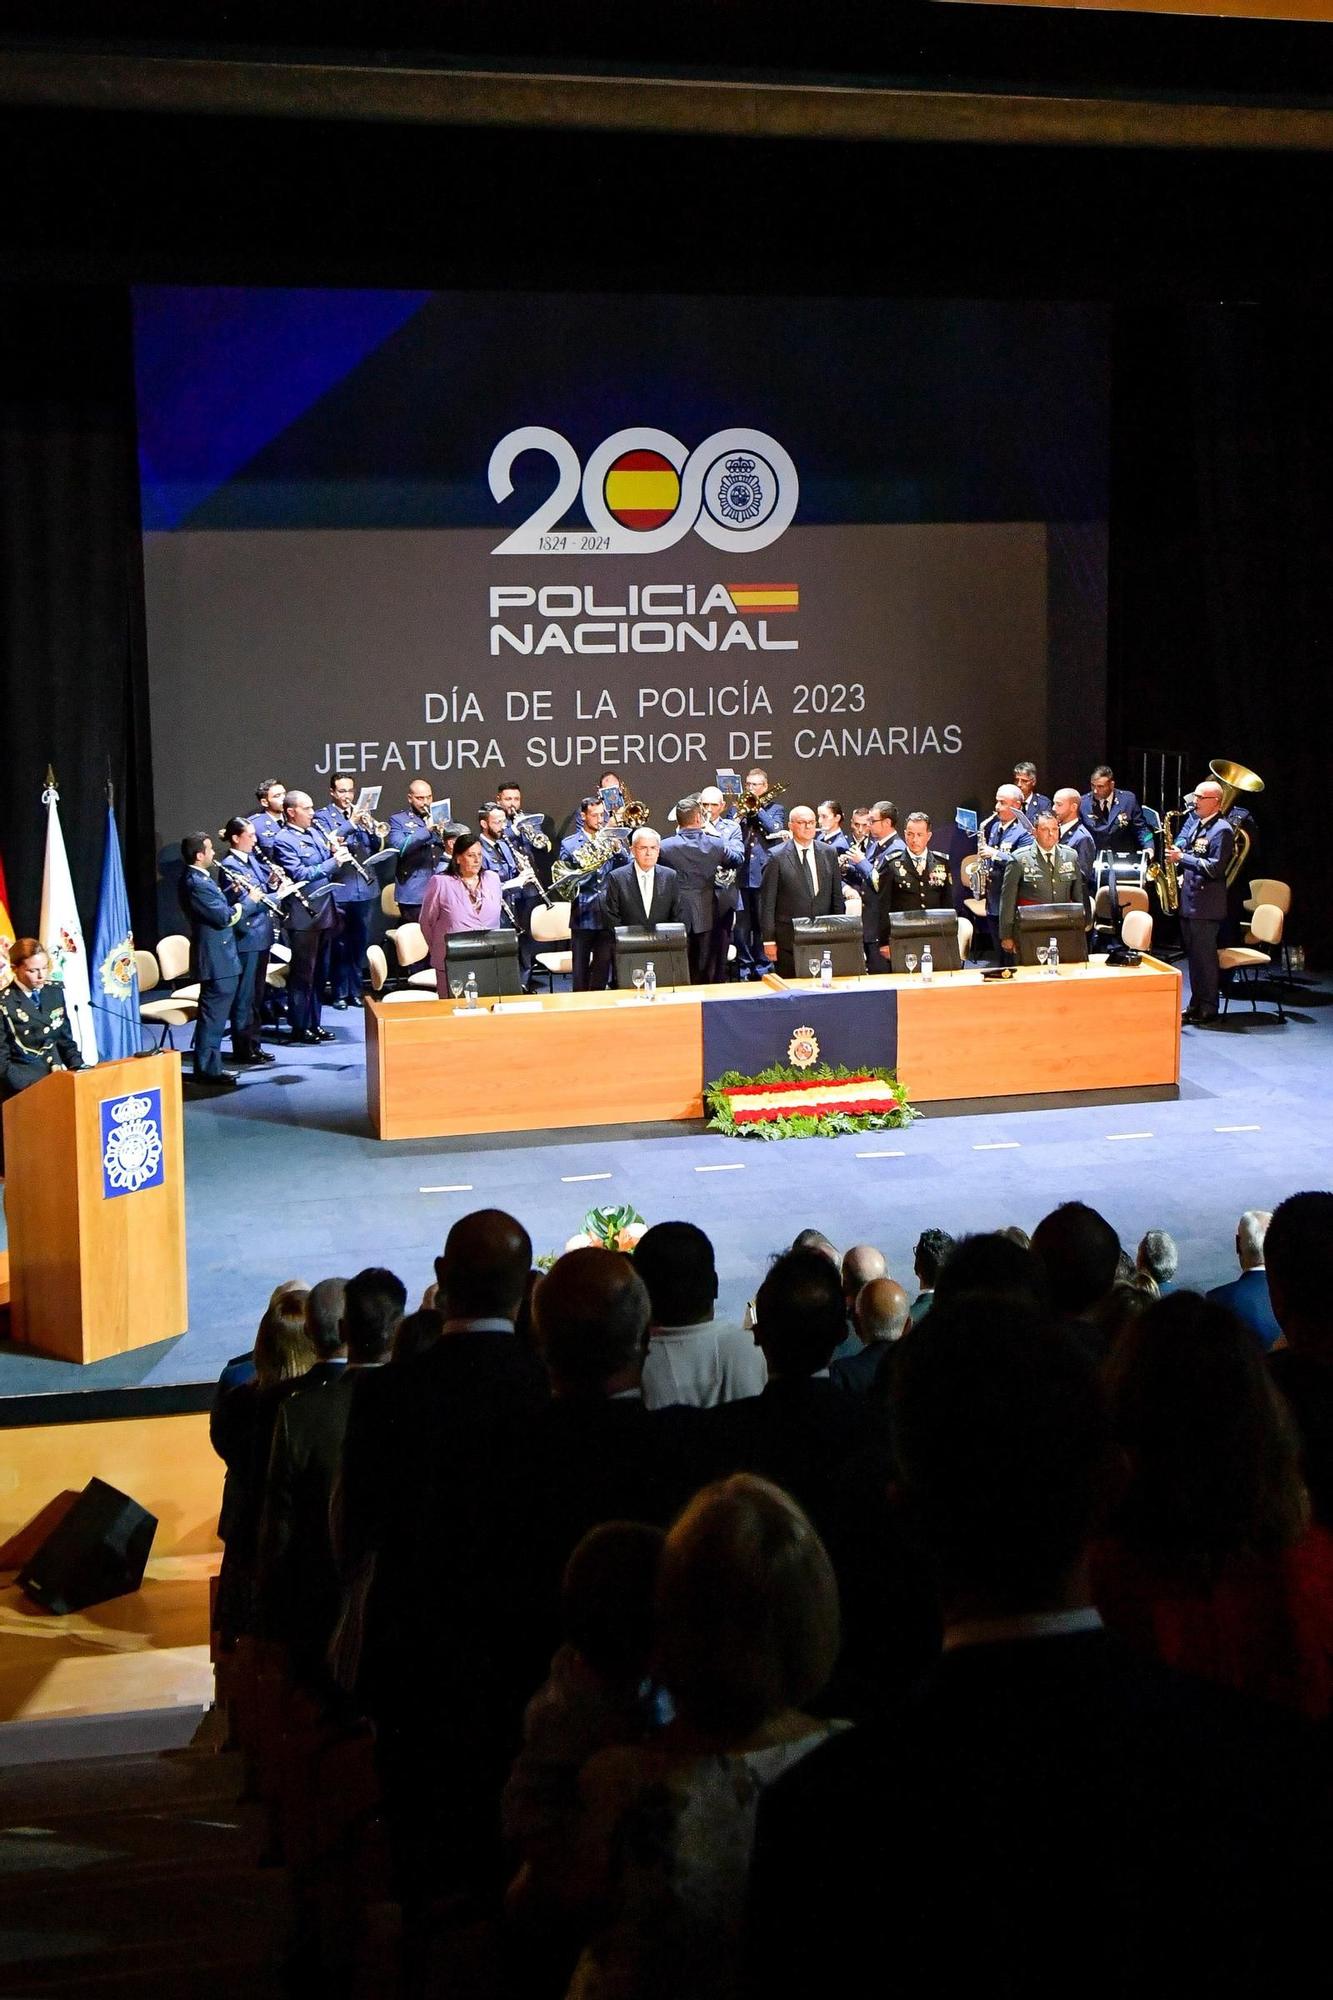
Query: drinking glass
x=814, y=968
x=1043, y=954
x=638, y=976
x=910, y=961
x=456, y=988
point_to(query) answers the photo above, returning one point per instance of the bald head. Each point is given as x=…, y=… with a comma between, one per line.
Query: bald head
x=591, y=1312
x=881, y=1311
x=861, y=1265
x=483, y=1272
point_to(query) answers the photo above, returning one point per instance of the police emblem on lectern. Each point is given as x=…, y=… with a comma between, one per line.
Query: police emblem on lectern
x=132, y=1151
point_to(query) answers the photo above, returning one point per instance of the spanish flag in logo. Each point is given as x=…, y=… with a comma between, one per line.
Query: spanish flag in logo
x=642, y=489
x=763, y=599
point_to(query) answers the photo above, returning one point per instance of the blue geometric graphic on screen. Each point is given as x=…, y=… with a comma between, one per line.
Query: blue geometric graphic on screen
x=133, y=1151
x=221, y=371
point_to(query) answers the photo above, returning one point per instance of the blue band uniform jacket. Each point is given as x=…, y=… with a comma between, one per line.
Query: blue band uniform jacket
x=1206, y=848
x=1009, y=840
x=255, y=929
x=420, y=852
x=35, y=1036
x=304, y=855
x=352, y=886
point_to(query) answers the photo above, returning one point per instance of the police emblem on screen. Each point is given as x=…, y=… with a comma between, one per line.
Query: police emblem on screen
x=132, y=1148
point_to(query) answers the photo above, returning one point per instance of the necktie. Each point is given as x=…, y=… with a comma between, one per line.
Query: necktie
x=920, y=864
x=812, y=880
x=646, y=891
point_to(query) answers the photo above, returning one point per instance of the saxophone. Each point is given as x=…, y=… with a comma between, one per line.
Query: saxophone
x=1164, y=872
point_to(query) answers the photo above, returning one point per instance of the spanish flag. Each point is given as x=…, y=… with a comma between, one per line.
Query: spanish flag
x=763, y=599
x=642, y=489
x=6, y=930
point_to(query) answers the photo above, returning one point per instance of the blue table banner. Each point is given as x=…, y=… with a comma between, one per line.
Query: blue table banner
x=855, y=1028
x=133, y=1152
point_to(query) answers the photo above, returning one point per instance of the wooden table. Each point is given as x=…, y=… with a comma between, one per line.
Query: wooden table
x=614, y=1059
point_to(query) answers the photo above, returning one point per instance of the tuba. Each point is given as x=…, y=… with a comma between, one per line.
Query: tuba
x=1234, y=779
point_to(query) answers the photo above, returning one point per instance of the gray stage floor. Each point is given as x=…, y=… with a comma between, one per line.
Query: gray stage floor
x=283, y=1180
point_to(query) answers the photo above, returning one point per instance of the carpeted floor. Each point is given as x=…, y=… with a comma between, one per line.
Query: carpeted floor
x=284, y=1180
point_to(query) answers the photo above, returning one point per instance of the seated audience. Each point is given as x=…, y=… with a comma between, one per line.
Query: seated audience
x=1126, y=1300
x=928, y=1259
x=1212, y=1564
x=1298, y=1252
x=1080, y=1254
x=881, y=1315
x=1247, y=1295
x=692, y=1358
x=1045, y=1810
x=1159, y=1259
x=298, y=1575
x=747, y=1636
x=862, y=1263
x=992, y=1263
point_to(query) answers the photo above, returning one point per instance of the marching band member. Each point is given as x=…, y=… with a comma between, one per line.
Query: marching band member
x=268, y=822
x=1002, y=836
x=502, y=854
x=1025, y=777
x=1045, y=871
x=831, y=834
x=1113, y=817
x=860, y=825
x=1202, y=854
x=354, y=894
x=312, y=858
x=591, y=940
x=696, y=853
x=762, y=827
x=917, y=878
x=882, y=842
x=420, y=849
x=525, y=837
x=1073, y=833
x=217, y=966
x=245, y=870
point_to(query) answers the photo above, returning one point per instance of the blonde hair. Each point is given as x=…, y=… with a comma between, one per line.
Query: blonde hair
x=283, y=1347
x=747, y=1607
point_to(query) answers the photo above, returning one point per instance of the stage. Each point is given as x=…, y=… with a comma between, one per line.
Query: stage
x=284, y=1179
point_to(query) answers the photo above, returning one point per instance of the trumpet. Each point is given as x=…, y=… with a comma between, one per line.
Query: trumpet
x=531, y=836
x=748, y=806
x=363, y=819
x=631, y=812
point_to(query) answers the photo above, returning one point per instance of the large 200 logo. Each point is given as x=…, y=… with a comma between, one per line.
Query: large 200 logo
x=643, y=491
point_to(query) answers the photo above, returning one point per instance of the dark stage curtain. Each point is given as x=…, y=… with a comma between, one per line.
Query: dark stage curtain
x=73, y=666
x=1222, y=564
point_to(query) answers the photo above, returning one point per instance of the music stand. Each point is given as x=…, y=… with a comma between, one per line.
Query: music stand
x=912, y=930
x=1036, y=923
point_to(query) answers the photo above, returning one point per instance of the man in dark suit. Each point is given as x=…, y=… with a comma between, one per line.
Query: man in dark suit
x=1247, y=1295
x=1045, y=1803
x=801, y=880
x=216, y=963
x=299, y=1588
x=427, y=1466
x=1202, y=854
x=704, y=853
x=645, y=892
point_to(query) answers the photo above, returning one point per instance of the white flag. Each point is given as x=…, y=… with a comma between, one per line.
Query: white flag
x=62, y=933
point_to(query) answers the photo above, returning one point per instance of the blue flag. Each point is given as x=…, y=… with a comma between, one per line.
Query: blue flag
x=115, y=978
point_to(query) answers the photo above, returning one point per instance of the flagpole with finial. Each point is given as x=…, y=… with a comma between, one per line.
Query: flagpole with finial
x=50, y=794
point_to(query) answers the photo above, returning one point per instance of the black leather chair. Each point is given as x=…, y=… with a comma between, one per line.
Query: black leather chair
x=1037, y=923
x=912, y=930
x=490, y=956
x=840, y=936
x=664, y=944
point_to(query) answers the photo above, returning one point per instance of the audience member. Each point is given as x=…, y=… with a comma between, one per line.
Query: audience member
x=298, y=1575
x=862, y=1263
x=747, y=1636
x=1080, y=1254
x=1212, y=1564
x=1016, y=1235
x=323, y=1318
x=1159, y=1259
x=815, y=1239
x=933, y=1247
x=1126, y=1300
x=881, y=1314
x=692, y=1358
x=1045, y=1807
x=416, y=1332
x=1298, y=1252
x=1247, y=1295
x=243, y=1439
x=991, y=1263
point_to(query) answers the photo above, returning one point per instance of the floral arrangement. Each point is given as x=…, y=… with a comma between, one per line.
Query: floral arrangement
x=603, y=1229
x=806, y=1103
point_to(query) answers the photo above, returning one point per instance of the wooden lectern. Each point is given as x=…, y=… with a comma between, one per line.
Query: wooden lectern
x=95, y=1203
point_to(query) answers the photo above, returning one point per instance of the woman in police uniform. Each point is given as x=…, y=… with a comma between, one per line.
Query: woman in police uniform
x=35, y=1035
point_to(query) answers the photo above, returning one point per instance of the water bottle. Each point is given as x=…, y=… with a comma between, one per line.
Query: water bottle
x=649, y=981
x=927, y=965
x=1052, y=957
x=826, y=971
x=470, y=993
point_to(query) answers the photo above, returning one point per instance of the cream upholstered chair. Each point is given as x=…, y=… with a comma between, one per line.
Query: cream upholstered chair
x=964, y=938
x=379, y=976
x=409, y=943
x=551, y=928
x=173, y=956
x=1265, y=890
x=1136, y=930
x=166, y=1013
x=851, y=902
x=1244, y=960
